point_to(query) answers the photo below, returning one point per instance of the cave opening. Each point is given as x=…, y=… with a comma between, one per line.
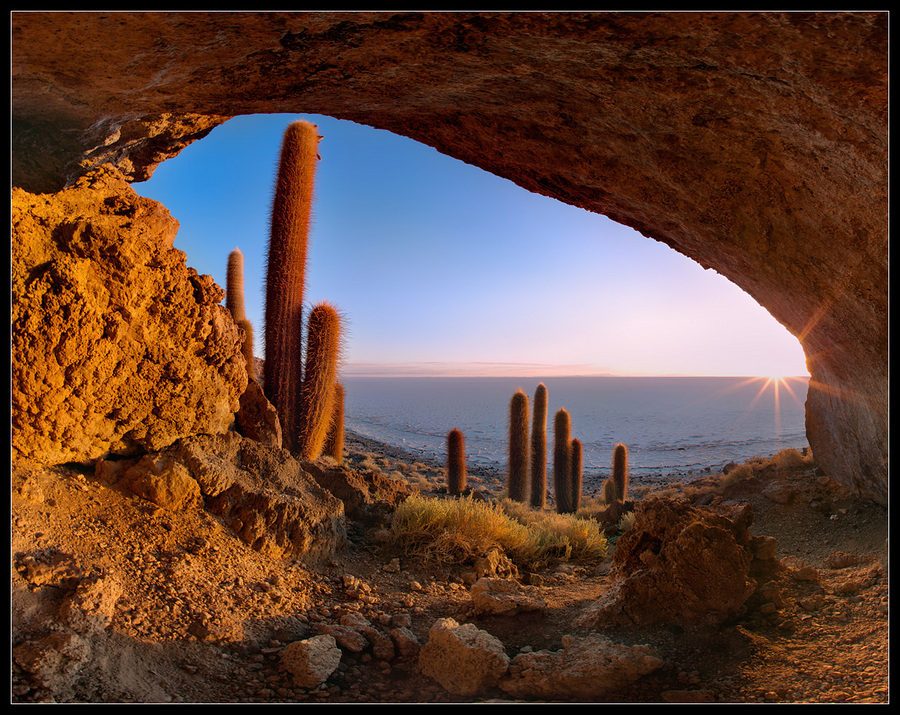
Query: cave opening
x=443, y=269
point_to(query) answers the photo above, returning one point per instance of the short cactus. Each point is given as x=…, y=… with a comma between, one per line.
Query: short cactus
x=456, y=463
x=518, y=447
x=539, y=448
x=234, y=302
x=562, y=461
x=320, y=374
x=575, y=483
x=334, y=445
x=620, y=471
x=609, y=492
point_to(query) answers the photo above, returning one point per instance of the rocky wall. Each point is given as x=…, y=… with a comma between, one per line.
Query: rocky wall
x=117, y=346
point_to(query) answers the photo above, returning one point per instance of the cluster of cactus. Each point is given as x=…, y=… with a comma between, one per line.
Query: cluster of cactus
x=303, y=394
x=456, y=462
x=527, y=474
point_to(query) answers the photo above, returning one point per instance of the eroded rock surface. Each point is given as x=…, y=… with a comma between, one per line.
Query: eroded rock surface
x=754, y=143
x=117, y=346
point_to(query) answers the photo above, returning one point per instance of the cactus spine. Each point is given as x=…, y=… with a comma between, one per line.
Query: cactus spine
x=317, y=393
x=518, y=447
x=575, y=480
x=334, y=446
x=620, y=471
x=285, y=273
x=456, y=463
x=539, y=448
x=562, y=461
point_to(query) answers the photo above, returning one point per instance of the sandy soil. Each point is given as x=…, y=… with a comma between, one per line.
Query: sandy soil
x=200, y=617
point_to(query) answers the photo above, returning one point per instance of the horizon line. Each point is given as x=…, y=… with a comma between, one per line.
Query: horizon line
x=512, y=370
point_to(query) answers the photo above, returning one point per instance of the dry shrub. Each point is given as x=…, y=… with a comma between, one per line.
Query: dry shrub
x=739, y=474
x=458, y=530
x=792, y=459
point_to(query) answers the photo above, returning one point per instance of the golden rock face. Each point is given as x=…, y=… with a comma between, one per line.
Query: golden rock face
x=117, y=346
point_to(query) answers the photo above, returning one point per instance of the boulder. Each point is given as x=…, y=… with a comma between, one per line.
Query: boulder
x=368, y=497
x=311, y=660
x=680, y=565
x=163, y=481
x=264, y=495
x=257, y=418
x=585, y=669
x=503, y=597
x=462, y=658
x=117, y=346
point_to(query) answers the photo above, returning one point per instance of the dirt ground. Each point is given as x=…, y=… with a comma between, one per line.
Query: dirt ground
x=201, y=617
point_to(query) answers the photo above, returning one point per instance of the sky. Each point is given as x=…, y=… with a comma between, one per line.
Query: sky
x=439, y=267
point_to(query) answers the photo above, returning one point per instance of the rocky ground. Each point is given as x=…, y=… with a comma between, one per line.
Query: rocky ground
x=171, y=607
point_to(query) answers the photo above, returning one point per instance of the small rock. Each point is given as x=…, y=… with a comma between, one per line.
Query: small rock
x=311, y=661
x=462, y=658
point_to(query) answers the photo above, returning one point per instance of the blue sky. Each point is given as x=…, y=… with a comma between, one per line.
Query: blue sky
x=441, y=267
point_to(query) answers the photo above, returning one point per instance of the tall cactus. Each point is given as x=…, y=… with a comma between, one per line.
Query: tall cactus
x=620, y=471
x=539, y=448
x=320, y=375
x=456, y=462
x=334, y=445
x=575, y=480
x=518, y=447
x=562, y=461
x=285, y=273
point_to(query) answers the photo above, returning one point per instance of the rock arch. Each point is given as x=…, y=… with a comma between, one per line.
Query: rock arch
x=753, y=143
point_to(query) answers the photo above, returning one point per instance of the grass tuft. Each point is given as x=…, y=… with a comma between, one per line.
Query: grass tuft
x=458, y=530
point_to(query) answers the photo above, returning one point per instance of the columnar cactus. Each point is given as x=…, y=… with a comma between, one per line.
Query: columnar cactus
x=234, y=286
x=620, y=471
x=334, y=445
x=609, y=492
x=539, y=448
x=518, y=447
x=576, y=453
x=285, y=273
x=248, y=348
x=320, y=374
x=456, y=463
x=234, y=302
x=562, y=461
